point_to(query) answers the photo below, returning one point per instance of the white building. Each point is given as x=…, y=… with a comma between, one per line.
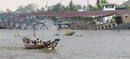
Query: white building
x=107, y=7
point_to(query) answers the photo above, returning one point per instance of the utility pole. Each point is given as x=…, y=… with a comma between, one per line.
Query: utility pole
x=87, y=2
x=46, y=5
x=88, y=7
x=60, y=6
x=61, y=1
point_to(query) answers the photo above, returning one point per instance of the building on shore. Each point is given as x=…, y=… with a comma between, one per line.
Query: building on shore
x=109, y=18
x=85, y=20
x=96, y=20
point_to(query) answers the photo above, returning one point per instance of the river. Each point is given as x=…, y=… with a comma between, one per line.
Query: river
x=84, y=44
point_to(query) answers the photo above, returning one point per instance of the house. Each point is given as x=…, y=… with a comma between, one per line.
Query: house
x=108, y=7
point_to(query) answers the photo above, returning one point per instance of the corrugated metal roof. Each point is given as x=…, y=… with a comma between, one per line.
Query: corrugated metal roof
x=91, y=13
x=74, y=14
x=37, y=13
x=84, y=13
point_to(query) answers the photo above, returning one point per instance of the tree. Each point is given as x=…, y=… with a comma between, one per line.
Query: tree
x=56, y=8
x=98, y=4
x=40, y=10
x=20, y=9
x=71, y=6
x=77, y=7
x=1, y=12
x=27, y=9
x=94, y=8
x=30, y=8
x=127, y=6
x=84, y=7
x=67, y=9
x=8, y=11
x=60, y=8
x=103, y=1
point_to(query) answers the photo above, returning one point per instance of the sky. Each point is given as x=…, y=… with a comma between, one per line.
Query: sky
x=14, y=4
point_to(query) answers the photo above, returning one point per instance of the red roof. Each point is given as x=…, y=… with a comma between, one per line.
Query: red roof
x=92, y=13
x=84, y=13
x=37, y=13
x=73, y=14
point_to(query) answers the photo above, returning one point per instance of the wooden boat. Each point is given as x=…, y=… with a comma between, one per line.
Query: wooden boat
x=30, y=44
x=69, y=34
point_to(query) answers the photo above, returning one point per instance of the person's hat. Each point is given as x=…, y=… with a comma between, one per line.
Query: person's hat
x=37, y=37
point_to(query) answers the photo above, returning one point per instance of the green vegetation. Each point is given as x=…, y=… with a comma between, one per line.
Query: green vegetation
x=99, y=4
x=60, y=8
x=103, y=1
x=1, y=12
x=56, y=8
x=95, y=9
x=71, y=7
x=127, y=6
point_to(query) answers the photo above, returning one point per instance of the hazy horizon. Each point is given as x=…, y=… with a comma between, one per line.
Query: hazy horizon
x=14, y=4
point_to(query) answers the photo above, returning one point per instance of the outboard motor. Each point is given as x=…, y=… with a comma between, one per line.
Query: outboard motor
x=55, y=42
x=57, y=39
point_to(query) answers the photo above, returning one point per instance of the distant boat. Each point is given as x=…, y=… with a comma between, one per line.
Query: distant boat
x=68, y=32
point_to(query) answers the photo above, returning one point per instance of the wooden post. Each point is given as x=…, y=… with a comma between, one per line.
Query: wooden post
x=34, y=30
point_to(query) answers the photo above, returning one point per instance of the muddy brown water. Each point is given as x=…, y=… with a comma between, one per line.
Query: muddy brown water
x=82, y=45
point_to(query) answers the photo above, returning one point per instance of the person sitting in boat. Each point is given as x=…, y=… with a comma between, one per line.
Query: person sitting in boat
x=31, y=43
x=37, y=41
